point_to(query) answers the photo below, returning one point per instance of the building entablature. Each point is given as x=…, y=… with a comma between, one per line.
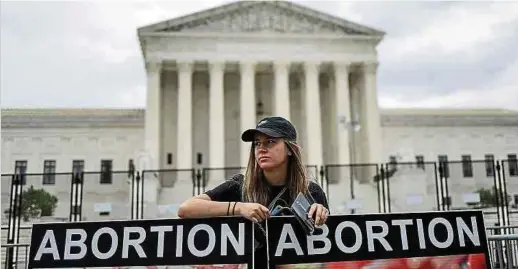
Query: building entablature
x=285, y=32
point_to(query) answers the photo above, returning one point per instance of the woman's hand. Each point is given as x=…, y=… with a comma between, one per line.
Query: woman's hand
x=320, y=213
x=252, y=211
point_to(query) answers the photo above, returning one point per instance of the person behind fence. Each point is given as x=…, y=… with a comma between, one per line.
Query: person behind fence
x=275, y=175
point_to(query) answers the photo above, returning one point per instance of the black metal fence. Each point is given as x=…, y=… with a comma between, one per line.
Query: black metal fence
x=352, y=189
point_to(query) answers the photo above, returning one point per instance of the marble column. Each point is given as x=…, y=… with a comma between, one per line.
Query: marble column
x=312, y=116
x=372, y=114
x=150, y=159
x=343, y=112
x=247, y=106
x=184, y=121
x=217, y=115
x=281, y=96
x=153, y=109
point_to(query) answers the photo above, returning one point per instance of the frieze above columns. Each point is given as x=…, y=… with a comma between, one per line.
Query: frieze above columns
x=257, y=49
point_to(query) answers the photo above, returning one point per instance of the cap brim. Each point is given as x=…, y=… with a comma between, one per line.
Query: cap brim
x=248, y=135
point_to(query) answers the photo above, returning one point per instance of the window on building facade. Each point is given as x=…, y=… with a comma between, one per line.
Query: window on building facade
x=20, y=169
x=393, y=163
x=49, y=172
x=106, y=171
x=443, y=165
x=467, y=166
x=446, y=201
x=419, y=159
x=131, y=167
x=78, y=166
x=490, y=165
x=169, y=158
x=513, y=164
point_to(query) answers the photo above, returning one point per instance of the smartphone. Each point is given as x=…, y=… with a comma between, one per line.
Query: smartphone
x=300, y=208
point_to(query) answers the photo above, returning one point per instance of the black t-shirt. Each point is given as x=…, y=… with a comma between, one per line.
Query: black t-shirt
x=231, y=191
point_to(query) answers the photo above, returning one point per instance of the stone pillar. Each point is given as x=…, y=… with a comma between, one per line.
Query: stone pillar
x=150, y=158
x=216, y=121
x=281, y=106
x=247, y=106
x=153, y=116
x=312, y=115
x=343, y=112
x=184, y=121
x=372, y=114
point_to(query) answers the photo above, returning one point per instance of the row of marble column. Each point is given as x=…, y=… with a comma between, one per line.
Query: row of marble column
x=312, y=125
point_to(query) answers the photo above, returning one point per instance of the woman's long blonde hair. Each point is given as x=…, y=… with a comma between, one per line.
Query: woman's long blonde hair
x=254, y=186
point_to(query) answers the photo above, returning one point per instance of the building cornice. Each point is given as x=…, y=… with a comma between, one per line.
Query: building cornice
x=134, y=118
x=72, y=118
x=448, y=117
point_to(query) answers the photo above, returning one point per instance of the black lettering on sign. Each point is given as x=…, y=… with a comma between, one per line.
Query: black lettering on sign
x=141, y=243
x=378, y=236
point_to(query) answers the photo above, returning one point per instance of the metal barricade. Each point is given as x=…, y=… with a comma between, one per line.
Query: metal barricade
x=21, y=255
x=498, y=230
x=503, y=251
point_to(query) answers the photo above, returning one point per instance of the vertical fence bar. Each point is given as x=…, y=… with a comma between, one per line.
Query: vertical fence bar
x=498, y=194
x=133, y=200
x=445, y=201
x=142, y=189
x=138, y=193
x=199, y=177
x=72, y=199
x=80, y=193
x=379, y=181
x=383, y=179
x=503, y=179
x=389, y=201
x=18, y=219
x=11, y=222
x=438, y=187
x=17, y=215
x=75, y=196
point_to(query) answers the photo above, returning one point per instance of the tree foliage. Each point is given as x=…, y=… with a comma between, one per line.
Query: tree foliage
x=36, y=203
x=488, y=197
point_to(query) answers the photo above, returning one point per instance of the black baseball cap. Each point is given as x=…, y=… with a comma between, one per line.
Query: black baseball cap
x=277, y=127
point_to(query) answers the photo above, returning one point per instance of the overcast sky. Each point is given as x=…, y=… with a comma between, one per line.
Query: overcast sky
x=86, y=54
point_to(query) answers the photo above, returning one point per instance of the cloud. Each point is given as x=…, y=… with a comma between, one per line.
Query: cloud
x=500, y=93
x=459, y=28
x=86, y=54
x=455, y=60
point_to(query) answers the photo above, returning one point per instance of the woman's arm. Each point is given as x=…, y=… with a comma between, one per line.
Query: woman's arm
x=202, y=206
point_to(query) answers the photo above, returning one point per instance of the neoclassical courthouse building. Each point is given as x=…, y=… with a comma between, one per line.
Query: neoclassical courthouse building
x=212, y=74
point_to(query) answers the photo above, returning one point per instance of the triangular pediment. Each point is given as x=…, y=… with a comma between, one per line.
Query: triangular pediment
x=262, y=16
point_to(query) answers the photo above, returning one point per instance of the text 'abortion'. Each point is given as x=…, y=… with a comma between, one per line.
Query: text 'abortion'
x=153, y=242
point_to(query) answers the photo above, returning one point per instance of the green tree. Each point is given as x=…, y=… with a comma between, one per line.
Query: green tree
x=488, y=197
x=36, y=203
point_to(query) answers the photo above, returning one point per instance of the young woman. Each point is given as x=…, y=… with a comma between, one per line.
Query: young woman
x=275, y=172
